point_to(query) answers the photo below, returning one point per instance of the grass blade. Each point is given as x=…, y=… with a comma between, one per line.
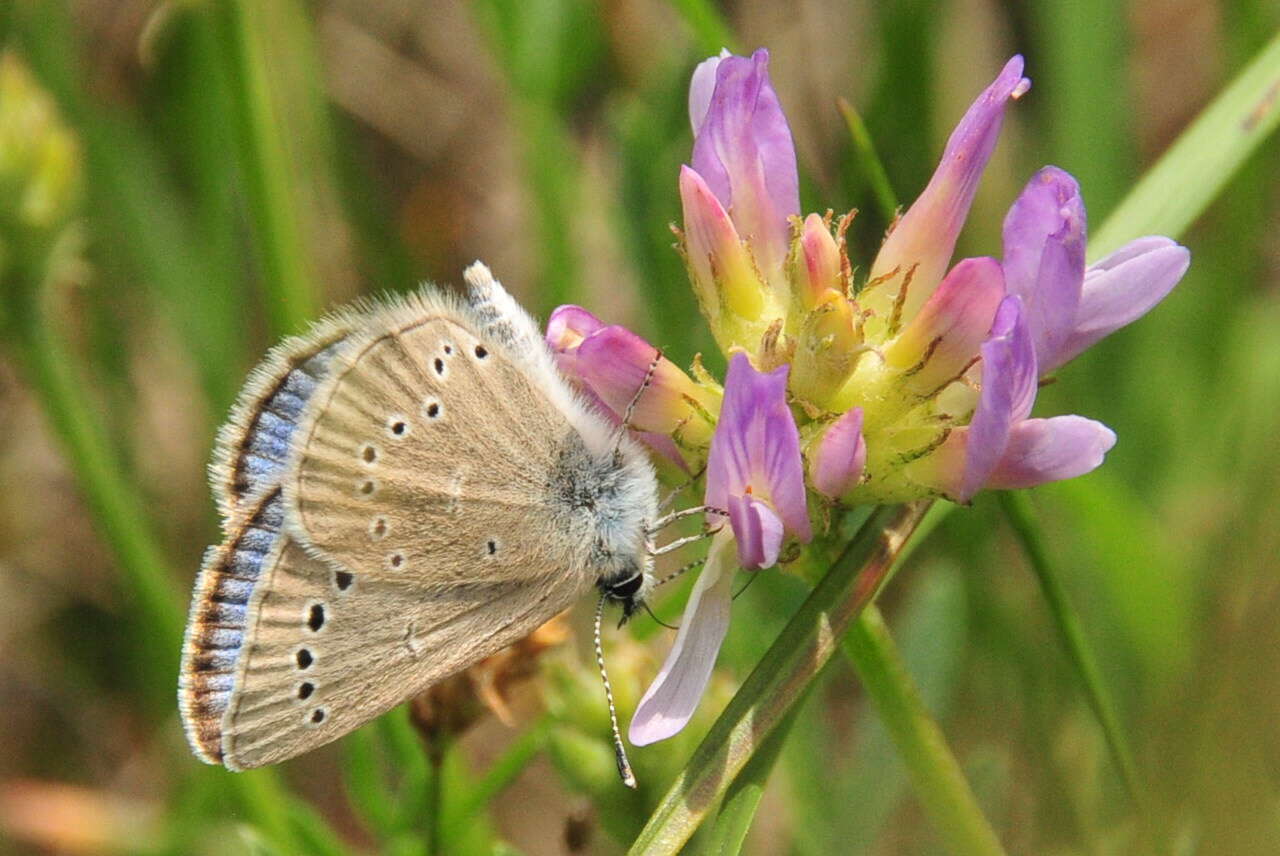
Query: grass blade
x=1174, y=192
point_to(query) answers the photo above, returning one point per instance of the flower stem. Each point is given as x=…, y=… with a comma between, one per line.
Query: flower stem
x=780, y=678
x=938, y=779
x=738, y=810
x=1017, y=509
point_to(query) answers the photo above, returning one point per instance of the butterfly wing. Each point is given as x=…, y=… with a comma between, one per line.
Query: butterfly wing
x=253, y=445
x=414, y=532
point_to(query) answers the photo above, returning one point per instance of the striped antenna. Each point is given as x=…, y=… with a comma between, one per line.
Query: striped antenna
x=624, y=766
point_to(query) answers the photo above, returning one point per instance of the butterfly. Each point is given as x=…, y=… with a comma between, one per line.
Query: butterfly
x=406, y=489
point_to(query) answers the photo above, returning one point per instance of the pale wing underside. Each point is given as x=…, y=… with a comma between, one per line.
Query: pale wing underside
x=392, y=526
x=306, y=682
x=431, y=461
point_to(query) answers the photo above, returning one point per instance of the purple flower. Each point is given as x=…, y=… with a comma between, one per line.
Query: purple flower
x=755, y=472
x=1068, y=307
x=742, y=149
x=754, y=469
x=739, y=195
x=921, y=244
x=1001, y=447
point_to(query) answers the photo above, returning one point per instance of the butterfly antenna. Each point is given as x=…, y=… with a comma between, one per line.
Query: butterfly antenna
x=624, y=766
x=679, y=571
x=635, y=399
x=680, y=488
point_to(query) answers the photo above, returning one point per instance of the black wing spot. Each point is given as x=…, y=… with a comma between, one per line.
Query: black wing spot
x=315, y=619
x=493, y=546
x=304, y=658
x=481, y=352
x=369, y=454
x=317, y=715
x=439, y=366
x=305, y=689
x=343, y=579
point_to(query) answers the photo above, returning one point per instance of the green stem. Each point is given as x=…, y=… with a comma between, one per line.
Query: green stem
x=286, y=272
x=738, y=810
x=938, y=779
x=780, y=678
x=1017, y=508
x=869, y=159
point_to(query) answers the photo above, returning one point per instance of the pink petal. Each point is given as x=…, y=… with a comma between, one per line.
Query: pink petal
x=1122, y=288
x=836, y=464
x=674, y=694
x=1046, y=450
x=925, y=237
x=950, y=327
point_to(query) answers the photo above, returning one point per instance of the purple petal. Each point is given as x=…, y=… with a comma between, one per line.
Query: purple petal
x=925, y=237
x=758, y=531
x=945, y=335
x=674, y=694
x=569, y=325
x=1122, y=288
x=836, y=465
x=743, y=150
x=1008, y=391
x=1044, y=238
x=756, y=446
x=1046, y=450
x=701, y=86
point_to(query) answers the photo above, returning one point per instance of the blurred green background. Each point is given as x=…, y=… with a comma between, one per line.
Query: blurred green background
x=243, y=166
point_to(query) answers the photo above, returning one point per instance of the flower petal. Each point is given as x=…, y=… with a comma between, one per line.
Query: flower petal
x=743, y=149
x=1046, y=450
x=701, y=86
x=1008, y=391
x=837, y=460
x=723, y=274
x=758, y=531
x=1122, y=288
x=756, y=446
x=945, y=336
x=1044, y=238
x=925, y=237
x=674, y=694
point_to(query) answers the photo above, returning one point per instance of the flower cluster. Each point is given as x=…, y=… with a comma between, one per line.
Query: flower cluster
x=916, y=380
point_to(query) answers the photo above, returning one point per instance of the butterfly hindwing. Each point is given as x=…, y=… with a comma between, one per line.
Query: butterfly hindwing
x=323, y=659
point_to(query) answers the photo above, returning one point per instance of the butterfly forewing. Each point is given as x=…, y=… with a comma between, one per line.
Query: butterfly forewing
x=426, y=447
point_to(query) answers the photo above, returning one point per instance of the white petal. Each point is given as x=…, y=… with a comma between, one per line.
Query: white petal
x=674, y=695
